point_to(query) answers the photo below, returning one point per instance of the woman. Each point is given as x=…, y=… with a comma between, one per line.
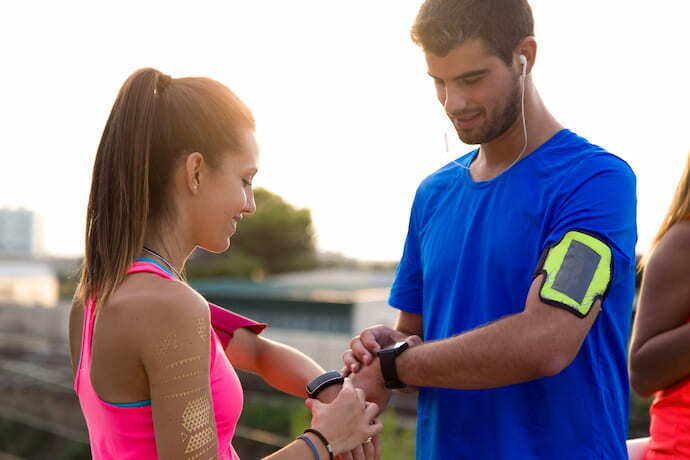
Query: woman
x=660, y=348
x=173, y=172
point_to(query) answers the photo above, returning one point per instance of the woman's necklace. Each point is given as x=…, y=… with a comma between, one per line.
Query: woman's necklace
x=165, y=261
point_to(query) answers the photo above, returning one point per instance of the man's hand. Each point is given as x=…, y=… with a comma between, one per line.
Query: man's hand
x=363, y=348
x=369, y=379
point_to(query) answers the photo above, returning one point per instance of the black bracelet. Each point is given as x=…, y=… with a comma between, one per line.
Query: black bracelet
x=311, y=445
x=323, y=440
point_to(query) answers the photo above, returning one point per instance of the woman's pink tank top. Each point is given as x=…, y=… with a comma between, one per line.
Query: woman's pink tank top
x=669, y=428
x=123, y=433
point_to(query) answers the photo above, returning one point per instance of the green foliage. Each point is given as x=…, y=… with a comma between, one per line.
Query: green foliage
x=278, y=238
x=397, y=439
x=289, y=417
x=279, y=415
x=67, y=285
x=279, y=235
x=238, y=264
x=639, y=415
x=30, y=443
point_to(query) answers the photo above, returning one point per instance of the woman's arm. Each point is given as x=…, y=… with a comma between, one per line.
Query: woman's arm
x=660, y=346
x=283, y=367
x=173, y=342
x=346, y=423
x=287, y=370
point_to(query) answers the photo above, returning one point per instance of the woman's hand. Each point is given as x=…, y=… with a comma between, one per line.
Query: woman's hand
x=370, y=450
x=347, y=422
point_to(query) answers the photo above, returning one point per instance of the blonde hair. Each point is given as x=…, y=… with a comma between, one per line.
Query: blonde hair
x=679, y=210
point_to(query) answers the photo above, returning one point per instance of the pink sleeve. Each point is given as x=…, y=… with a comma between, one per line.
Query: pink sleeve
x=225, y=322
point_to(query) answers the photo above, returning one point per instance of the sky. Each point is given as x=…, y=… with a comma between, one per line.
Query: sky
x=347, y=119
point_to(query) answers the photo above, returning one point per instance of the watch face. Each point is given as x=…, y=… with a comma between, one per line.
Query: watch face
x=400, y=347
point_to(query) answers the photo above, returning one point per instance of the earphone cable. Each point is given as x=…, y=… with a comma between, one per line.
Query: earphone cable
x=524, y=128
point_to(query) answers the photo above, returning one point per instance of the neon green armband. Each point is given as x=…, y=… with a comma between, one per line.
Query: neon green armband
x=577, y=271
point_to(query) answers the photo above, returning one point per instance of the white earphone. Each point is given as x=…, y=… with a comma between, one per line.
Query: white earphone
x=523, y=61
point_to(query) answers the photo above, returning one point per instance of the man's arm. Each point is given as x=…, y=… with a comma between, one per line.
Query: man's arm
x=409, y=324
x=538, y=342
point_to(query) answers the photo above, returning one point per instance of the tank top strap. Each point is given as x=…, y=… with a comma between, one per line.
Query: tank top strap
x=86, y=338
x=90, y=316
x=146, y=266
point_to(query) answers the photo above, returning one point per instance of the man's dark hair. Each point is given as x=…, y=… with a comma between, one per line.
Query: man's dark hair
x=441, y=25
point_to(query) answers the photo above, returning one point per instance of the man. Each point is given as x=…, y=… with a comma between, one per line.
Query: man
x=518, y=267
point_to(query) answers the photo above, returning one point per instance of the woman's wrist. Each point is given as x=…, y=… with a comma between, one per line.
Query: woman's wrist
x=327, y=395
x=323, y=440
x=323, y=451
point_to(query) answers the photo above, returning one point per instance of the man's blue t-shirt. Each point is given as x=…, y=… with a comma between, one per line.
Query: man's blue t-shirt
x=470, y=256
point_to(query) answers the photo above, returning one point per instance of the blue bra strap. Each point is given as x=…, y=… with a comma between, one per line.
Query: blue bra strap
x=144, y=403
x=155, y=262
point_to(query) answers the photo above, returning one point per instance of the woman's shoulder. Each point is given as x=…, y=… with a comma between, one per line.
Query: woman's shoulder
x=680, y=231
x=163, y=321
x=149, y=303
x=673, y=250
x=677, y=238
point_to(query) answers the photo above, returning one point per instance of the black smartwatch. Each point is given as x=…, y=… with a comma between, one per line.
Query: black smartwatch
x=323, y=381
x=388, y=370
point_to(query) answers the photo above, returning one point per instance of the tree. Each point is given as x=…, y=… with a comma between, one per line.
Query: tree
x=277, y=238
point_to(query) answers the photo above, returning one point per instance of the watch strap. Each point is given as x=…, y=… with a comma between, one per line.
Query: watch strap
x=323, y=381
x=389, y=370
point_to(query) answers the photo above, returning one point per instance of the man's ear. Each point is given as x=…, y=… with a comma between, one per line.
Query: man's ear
x=528, y=48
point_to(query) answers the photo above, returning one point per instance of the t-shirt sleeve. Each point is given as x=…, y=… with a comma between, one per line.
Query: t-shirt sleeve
x=407, y=289
x=601, y=201
x=225, y=323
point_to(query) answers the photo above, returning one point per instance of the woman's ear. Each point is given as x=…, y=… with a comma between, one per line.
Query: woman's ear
x=194, y=168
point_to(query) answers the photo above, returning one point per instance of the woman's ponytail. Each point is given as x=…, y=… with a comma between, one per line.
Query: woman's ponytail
x=119, y=199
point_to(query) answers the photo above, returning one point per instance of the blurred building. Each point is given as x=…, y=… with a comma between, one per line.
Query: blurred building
x=317, y=312
x=28, y=283
x=21, y=233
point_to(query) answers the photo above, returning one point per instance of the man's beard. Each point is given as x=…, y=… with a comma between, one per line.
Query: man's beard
x=498, y=124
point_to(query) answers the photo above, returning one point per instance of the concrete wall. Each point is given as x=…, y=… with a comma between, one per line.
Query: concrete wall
x=325, y=349
x=28, y=283
x=371, y=312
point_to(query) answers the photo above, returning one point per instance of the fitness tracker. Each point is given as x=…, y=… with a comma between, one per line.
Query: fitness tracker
x=388, y=370
x=323, y=381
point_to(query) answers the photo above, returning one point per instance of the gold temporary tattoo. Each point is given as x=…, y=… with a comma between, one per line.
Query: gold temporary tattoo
x=196, y=420
x=183, y=361
x=202, y=328
x=168, y=343
x=197, y=414
x=199, y=440
x=180, y=377
x=203, y=452
x=184, y=393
